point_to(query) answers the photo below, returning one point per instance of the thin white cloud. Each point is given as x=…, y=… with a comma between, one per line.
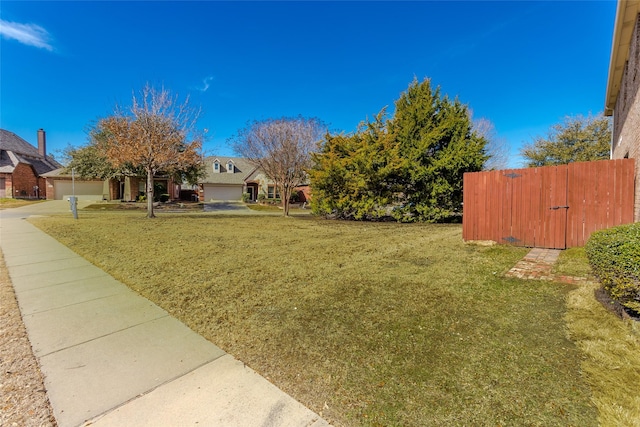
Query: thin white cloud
x=29, y=34
x=206, y=83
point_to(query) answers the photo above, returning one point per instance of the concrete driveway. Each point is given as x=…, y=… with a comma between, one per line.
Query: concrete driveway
x=49, y=207
x=228, y=207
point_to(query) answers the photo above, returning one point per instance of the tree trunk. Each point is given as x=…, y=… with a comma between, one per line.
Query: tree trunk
x=150, y=213
x=286, y=194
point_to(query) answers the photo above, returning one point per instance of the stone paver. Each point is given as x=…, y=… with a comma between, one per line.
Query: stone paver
x=538, y=265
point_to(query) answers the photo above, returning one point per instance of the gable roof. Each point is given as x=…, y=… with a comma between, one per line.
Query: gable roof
x=241, y=171
x=14, y=150
x=626, y=16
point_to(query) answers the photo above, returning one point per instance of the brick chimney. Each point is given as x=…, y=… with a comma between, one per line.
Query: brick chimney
x=42, y=143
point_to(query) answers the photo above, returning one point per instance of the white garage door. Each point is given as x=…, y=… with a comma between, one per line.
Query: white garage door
x=222, y=192
x=84, y=190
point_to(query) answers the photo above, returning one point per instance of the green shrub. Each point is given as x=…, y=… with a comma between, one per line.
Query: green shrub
x=614, y=256
x=261, y=197
x=245, y=197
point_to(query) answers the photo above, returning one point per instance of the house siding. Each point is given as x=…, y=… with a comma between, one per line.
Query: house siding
x=626, y=118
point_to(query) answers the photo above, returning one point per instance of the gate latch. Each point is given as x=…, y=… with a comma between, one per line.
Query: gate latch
x=559, y=207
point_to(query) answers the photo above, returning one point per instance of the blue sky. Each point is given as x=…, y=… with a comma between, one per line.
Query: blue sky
x=522, y=65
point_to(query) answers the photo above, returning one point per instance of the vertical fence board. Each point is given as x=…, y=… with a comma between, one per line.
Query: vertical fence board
x=618, y=192
x=575, y=201
x=530, y=215
x=629, y=190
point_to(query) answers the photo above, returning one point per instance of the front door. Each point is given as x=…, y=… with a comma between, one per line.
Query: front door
x=252, y=194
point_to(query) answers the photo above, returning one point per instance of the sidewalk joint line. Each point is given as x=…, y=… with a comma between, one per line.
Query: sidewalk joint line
x=105, y=335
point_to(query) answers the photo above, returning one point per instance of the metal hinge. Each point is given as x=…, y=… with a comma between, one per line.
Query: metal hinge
x=512, y=175
x=558, y=207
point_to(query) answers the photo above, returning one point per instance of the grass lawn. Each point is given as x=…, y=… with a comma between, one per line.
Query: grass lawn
x=142, y=206
x=6, y=202
x=294, y=210
x=610, y=346
x=367, y=324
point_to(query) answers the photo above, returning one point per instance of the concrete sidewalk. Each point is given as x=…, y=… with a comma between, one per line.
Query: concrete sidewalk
x=113, y=358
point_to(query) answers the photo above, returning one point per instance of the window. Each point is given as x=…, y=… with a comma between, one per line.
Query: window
x=273, y=192
x=230, y=167
x=216, y=166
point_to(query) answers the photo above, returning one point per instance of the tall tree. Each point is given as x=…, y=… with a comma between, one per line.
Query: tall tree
x=281, y=148
x=156, y=134
x=436, y=137
x=88, y=163
x=357, y=176
x=409, y=167
x=576, y=139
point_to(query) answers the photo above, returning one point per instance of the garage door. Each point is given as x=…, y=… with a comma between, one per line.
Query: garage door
x=84, y=190
x=222, y=192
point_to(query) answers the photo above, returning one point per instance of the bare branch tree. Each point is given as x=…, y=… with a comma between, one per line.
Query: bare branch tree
x=497, y=148
x=156, y=134
x=282, y=149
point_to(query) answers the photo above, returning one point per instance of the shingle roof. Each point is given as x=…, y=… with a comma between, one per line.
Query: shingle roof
x=242, y=170
x=14, y=150
x=9, y=141
x=57, y=172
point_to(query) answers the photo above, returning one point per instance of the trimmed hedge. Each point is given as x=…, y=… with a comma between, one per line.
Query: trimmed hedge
x=614, y=256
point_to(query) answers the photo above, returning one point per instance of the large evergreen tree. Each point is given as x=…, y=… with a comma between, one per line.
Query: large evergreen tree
x=357, y=176
x=409, y=167
x=436, y=138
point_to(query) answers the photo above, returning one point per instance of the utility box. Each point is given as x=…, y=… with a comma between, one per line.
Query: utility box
x=73, y=204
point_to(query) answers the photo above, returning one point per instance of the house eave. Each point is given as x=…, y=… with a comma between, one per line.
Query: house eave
x=626, y=15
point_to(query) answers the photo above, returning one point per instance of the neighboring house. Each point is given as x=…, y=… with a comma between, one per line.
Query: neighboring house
x=61, y=185
x=623, y=89
x=228, y=178
x=22, y=166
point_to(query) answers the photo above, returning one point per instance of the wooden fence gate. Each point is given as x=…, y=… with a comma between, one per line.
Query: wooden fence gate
x=548, y=207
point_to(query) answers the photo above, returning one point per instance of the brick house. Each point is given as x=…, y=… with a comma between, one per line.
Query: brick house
x=623, y=89
x=22, y=166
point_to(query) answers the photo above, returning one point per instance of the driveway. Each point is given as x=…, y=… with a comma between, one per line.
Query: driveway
x=228, y=207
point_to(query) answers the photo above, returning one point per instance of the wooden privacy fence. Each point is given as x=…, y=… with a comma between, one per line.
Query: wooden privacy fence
x=548, y=207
